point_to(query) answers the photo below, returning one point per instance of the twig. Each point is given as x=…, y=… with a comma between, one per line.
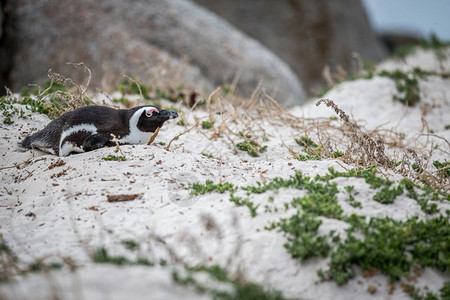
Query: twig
x=141, y=99
x=22, y=164
x=439, y=137
x=153, y=137
x=117, y=144
x=177, y=136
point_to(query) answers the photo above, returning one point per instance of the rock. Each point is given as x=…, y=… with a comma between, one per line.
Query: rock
x=394, y=40
x=160, y=42
x=1, y=21
x=306, y=34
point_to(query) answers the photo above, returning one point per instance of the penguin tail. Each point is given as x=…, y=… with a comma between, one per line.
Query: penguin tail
x=25, y=143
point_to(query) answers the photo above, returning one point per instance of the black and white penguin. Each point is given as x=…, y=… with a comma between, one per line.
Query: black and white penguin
x=90, y=127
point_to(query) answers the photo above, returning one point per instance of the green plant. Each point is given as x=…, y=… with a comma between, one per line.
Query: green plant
x=407, y=85
x=11, y=266
x=309, y=157
x=241, y=202
x=181, y=122
x=423, y=197
x=53, y=100
x=387, y=195
x=392, y=247
x=310, y=147
x=443, y=168
x=55, y=87
x=297, y=181
x=432, y=43
x=417, y=168
x=445, y=290
x=351, y=197
x=9, y=109
x=385, y=245
x=101, y=256
x=338, y=153
x=209, y=186
x=227, y=89
x=130, y=244
x=303, y=241
x=171, y=94
x=124, y=101
x=320, y=200
x=207, y=124
x=115, y=158
x=132, y=87
x=305, y=141
x=251, y=147
x=238, y=289
x=39, y=266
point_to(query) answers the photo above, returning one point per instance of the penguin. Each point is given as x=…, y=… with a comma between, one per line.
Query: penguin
x=91, y=127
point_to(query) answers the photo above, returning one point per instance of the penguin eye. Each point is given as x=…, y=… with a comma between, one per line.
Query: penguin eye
x=150, y=112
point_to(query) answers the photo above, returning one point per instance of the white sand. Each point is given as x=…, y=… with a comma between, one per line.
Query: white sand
x=72, y=216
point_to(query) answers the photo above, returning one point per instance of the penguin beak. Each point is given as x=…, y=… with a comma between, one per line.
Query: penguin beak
x=165, y=115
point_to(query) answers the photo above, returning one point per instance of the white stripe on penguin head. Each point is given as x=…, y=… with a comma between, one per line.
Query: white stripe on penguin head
x=136, y=136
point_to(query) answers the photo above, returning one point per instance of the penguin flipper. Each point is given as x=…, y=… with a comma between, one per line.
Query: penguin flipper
x=96, y=141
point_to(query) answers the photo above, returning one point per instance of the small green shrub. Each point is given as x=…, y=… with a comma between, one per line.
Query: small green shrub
x=309, y=157
x=209, y=186
x=238, y=201
x=131, y=87
x=443, y=167
x=239, y=289
x=305, y=142
x=115, y=158
x=337, y=154
x=252, y=148
x=407, y=85
x=8, y=108
x=392, y=247
x=207, y=124
x=303, y=241
x=130, y=244
x=351, y=197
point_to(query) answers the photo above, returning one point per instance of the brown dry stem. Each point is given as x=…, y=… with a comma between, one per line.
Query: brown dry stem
x=153, y=137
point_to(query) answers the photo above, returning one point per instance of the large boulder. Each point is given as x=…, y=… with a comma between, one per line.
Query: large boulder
x=308, y=35
x=158, y=41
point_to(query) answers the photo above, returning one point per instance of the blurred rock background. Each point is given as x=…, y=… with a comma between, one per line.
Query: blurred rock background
x=280, y=46
x=306, y=34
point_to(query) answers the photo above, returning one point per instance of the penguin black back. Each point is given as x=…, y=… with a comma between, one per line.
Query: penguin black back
x=91, y=127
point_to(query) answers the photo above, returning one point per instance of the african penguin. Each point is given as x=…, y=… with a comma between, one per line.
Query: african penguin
x=90, y=127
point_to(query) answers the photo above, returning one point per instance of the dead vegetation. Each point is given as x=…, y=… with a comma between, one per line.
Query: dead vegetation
x=65, y=100
x=123, y=197
x=243, y=125
x=236, y=120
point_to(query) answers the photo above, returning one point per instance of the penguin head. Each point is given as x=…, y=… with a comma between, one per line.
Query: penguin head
x=153, y=117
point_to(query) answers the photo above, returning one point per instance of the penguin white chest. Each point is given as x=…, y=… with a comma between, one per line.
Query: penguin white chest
x=135, y=137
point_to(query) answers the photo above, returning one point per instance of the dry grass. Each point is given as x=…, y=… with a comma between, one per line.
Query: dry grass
x=236, y=120
x=74, y=98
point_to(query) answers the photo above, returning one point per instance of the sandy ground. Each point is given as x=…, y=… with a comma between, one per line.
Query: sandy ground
x=49, y=211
